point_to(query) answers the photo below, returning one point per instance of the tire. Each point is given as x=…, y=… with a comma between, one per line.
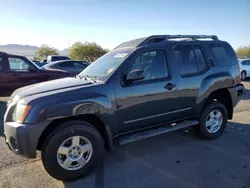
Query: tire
x=66, y=134
x=207, y=132
x=243, y=75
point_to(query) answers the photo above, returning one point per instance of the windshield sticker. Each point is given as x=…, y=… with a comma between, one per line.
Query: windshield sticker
x=120, y=55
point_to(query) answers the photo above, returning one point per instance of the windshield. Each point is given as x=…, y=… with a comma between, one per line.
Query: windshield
x=107, y=64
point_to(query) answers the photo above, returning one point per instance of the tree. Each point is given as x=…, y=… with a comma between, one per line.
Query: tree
x=45, y=51
x=243, y=52
x=86, y=51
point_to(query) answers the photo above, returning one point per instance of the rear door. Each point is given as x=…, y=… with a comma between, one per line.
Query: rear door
x=192, y=67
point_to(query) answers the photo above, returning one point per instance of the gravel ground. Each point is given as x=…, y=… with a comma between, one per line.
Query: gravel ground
x=176, y=159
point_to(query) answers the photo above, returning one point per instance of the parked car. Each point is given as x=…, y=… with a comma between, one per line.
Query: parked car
x=144, y=87
x=52, y=58
x=74, y=67
x=244, y=68
x=18, y=71
x=40, y=64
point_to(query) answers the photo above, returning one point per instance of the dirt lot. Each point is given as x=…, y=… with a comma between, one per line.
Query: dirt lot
x=175, y=159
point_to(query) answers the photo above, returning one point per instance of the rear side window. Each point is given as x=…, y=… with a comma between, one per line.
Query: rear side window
x=66, y=65
x=246, y=63
x=200, y=58
x=224, y=55
x=185, y=57
x=79, y=65
x=59, y=58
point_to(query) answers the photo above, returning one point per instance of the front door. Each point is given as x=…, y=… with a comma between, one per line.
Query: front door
x=150, y=101
x=21, y=72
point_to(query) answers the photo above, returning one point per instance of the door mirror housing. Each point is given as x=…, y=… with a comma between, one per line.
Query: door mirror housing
x=133, y=75
x=31, y=69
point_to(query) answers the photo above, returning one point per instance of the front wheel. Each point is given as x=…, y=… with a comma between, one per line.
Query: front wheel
x=213, y=121
x=72, y=150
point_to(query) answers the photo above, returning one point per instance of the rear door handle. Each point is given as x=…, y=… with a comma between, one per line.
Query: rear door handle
x=169, y=86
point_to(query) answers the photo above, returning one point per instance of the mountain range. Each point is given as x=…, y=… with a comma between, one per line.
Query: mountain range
x=25, y=50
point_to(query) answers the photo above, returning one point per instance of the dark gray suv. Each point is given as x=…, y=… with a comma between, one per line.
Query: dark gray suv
x=142, y=88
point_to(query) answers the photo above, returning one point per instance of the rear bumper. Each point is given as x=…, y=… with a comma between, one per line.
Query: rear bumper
x=22, y=139
x=237, y=93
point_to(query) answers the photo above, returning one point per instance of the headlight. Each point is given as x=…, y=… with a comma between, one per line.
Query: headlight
x=21, y=112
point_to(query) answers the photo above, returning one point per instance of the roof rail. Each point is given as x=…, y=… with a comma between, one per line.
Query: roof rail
x=193, y=37
x=162, y=38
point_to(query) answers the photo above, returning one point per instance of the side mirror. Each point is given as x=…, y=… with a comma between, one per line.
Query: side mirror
x=31, y=69
x=133, y=75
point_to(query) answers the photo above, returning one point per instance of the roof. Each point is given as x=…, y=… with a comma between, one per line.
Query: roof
x=56, y=62
x=163, y=38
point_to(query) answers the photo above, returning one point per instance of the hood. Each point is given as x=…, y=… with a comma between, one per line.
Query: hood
x=49, y=86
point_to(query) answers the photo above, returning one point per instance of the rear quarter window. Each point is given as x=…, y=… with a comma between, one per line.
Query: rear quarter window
x=223, y=55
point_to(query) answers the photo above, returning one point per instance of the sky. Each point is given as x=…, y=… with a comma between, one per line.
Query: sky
x=60, y=23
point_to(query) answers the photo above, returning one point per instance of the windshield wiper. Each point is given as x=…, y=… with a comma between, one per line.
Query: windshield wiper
x=87, y=77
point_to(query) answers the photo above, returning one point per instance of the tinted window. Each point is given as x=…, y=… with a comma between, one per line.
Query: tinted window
x=59, y=58
x=153, y=63
x=79, y=65
x=221, y=56
x=247, y=62
x=1, y=64
x=53, y=66
x=18, y=65
x=66, y=65
x=244, y=62
x=185, y=57
x=200, y=58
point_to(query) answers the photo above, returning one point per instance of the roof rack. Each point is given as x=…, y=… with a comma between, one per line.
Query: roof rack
x=160, y=38
x=193, y=37
x=163, y=38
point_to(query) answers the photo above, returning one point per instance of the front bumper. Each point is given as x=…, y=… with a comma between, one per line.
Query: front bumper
x=22, y=139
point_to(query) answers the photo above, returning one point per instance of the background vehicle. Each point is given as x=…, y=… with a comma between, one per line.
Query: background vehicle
x=142, y=88
x=18, y=71
x=52, y=58
x=74, y=67
x=40, y=64
x=244, y=68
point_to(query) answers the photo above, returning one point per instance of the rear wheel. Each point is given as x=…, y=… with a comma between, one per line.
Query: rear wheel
x=243, y=75
x=72, y=150
x=213, y=121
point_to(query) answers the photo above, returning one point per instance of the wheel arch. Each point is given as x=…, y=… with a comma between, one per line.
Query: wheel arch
x=223, y=96
x=93, y=119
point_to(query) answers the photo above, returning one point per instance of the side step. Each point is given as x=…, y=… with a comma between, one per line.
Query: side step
x=155, y=131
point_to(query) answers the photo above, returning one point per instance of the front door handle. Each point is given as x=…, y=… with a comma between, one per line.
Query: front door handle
x=14, y=74
x=169, y=86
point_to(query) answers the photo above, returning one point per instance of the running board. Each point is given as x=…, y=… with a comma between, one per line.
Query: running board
x=155, y=131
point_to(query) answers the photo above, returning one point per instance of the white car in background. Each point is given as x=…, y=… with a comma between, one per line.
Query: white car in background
x=244, y=68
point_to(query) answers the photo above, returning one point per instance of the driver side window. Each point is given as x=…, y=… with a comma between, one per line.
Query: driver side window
x=18, y=65
x=153, y=63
